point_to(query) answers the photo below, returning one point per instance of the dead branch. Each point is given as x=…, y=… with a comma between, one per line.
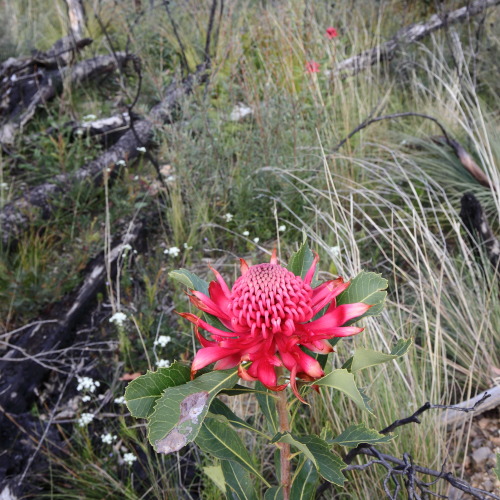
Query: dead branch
x=39, y=345
x=76, y=16
x=407, y=35
x=27, y=85
x=479, y=231
x=406, y=468
x=15, y=216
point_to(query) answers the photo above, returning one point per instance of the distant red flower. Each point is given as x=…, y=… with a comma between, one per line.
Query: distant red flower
x=331, y=32
x=269, y=316
x=312, y=67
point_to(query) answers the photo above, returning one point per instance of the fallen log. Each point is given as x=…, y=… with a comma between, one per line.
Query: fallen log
x=407, y=35
x=24, y=91
x=15, y=216
x=454, y=418
x=30, y=356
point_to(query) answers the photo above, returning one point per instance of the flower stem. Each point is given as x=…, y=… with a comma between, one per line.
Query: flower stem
x=284, y=423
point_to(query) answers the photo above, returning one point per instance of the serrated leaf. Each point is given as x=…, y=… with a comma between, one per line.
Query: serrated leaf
x=274, y=493
x=179, y=412
x=142, y=393
x=318, y=451
x=267, y=404
x=214, y=472
x=217, y=438
x=364, y=358
x=356, y=434
x=190, y=280
x=239, y=481
x=304, y=482
x=343, y=381
x=369, y=288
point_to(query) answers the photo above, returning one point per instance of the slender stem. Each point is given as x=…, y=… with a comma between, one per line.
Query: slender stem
x=284, y=422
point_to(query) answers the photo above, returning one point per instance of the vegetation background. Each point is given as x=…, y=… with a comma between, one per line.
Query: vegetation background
x=387, y=200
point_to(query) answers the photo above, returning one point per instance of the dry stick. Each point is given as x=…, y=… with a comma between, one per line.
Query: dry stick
x=184, y=60
x=405, y=467
x=408, y=35
x=465, y=158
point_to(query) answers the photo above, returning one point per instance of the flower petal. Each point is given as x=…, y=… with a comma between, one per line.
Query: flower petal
x=208, y=355
x=326, y=292
x=310, y=273
x=221, y=281
x=209, y=328
x=337, y=316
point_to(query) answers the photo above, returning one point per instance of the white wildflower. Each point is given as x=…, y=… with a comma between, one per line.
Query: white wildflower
x=228, y=217
x=89, y=118
x=172, y=251
x=245, y=233
x=85, y=419
x=121, y=163
x=126, y=248
x=335, y=251
x=239, y=112
x=163, y=340
x=129, y=458
x=120, y=400
x=118, y=318
x=141, y=149
x=170, y=178
x=282, y=228
x=87, y=384
x=256, y=240
x=86, y=398
x=4, y=185
x=187, y=247
x=163, y=363
x=108, y=438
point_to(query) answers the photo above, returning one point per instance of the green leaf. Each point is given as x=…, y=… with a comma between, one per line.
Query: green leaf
x=364, y=358
x=356, y=434
x=214, y=472
x=301, y=261
x=190, y=280
x=274, y=493
x=239, y=480
x=217, y=438
x=237, y=390
x=267, y=404
x=180, y=411
x=304, y=482
x=343, y=381
x=318, y=452
x=142, y=393
x=497, y=468
x=219, y=408
x=369, y=288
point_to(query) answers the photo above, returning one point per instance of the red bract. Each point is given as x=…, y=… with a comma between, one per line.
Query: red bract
x=312, y=67
x=331, y=33
x=269, y=315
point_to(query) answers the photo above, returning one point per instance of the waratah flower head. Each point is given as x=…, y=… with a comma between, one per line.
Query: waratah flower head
x=268, y=318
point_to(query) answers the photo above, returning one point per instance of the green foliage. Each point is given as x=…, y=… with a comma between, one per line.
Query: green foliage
x=305, y=481
x=356, y=434
x=239, y=481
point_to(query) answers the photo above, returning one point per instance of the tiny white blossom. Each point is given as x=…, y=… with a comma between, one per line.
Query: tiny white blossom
x=129, y=458
x=86, y=398
x=245, y=233
x=89, y=118
x=170, y=178
x=136, y=178
x=228, y=217
x=163, y=340
x=141, y=149
x=79, y=131
x=172, y=251
x=239, y=112
x=335, y=251
x=163, y=363
x=282, y=228
x=187, y=247
x=126, y=248
x=120, y=400
x=256, y=240
x=4, y=185
x=121, y=163
x=85, y=419
x=108, y=438
x=87, y=384
x=118, y=318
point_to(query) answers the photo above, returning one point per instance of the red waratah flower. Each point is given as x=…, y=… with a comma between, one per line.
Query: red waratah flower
x=331, y=33
x=268, y=313
x=312, y=67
